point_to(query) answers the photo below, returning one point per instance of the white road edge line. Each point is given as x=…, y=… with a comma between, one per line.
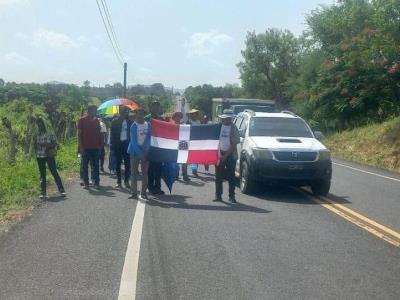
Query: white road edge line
x=127, y=288
x=366, y=172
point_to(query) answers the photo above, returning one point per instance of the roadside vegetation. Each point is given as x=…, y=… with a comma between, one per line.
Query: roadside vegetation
x=376, y=145
x=61, y=105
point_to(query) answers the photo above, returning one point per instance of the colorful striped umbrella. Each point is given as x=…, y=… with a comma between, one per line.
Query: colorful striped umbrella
x=111, y=107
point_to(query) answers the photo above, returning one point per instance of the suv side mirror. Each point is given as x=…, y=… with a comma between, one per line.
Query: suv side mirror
x=319, y=135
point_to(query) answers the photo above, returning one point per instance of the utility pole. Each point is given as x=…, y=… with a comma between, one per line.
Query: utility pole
x=125, y=69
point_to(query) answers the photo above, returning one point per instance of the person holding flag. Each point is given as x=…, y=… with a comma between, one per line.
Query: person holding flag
x=138, y=148
x=229, y=138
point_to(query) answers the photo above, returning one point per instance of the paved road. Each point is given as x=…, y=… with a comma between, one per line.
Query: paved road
x=278, y=244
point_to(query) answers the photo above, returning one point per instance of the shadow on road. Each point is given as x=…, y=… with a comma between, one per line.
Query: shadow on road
x=339, y=199
x=179, y=201
x=288, y=194
x=107, y=191
x=55, y=199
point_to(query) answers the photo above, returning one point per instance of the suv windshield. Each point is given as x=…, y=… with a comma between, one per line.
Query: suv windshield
x=288, y=127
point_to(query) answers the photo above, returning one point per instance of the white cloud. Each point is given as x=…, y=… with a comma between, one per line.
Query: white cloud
x=16, y=59
x=205, y=43
x=43, y=37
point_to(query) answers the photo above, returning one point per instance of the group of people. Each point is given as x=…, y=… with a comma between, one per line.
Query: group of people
x=129, y=141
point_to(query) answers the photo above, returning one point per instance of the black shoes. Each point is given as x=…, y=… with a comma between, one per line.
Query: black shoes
x=232, y=200
x=157, y=192
x=217, y=199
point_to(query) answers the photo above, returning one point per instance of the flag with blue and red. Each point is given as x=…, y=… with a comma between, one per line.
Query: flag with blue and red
x=184, y=144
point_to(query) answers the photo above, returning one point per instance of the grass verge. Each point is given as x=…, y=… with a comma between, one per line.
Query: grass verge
x=376, y=145
x=19, y=183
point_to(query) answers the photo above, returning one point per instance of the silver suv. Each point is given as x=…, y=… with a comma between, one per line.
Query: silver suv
x=281, y=147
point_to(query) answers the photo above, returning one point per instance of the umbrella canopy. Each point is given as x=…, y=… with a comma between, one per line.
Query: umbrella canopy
x=111, y=107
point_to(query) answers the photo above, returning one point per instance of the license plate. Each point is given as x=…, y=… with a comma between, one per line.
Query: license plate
x=296, y=167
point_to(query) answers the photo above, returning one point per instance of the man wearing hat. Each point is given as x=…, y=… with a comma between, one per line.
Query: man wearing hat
x=229, y=138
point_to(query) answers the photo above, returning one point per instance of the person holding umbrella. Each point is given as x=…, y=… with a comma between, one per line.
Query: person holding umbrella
x=120, y=137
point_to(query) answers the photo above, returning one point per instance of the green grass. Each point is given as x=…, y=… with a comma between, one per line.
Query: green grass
x=19, y=183
x=376, y=145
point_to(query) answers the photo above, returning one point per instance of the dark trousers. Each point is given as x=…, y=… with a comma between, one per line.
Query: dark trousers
x=51, y=163
x=91, y=156
x=225, y=170
x=81, y=171
x=155, y=169
x=102, y=157
x=121, y=154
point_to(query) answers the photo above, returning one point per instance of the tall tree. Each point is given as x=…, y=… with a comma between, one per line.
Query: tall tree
x=270, y=58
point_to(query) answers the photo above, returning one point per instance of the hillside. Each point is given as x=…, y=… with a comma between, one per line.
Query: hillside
x=376, y=145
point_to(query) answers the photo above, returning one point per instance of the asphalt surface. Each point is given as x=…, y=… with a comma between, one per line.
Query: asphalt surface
x=278, y=244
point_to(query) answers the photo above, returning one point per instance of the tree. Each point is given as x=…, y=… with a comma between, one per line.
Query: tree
x=269, y=59
x=2, y=83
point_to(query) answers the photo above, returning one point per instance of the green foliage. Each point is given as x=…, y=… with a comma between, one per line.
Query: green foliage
x=269, y=59
x=376, y=145
x=344, y=71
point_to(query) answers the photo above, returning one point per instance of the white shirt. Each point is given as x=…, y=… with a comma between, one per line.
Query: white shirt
x=124, y=131
x=142, y=132
x=103, y=127
x=225, y=138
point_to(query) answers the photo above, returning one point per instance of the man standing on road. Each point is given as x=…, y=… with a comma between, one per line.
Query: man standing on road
x=229, y=138
x=89, y=145
x=155, y=168
x=139, y=146
x=120, y=137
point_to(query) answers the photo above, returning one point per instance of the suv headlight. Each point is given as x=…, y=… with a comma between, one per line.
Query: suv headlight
x=324, y=155
x=260, y=153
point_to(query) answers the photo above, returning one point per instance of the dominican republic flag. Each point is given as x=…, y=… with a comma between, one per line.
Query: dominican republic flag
x=185, y=144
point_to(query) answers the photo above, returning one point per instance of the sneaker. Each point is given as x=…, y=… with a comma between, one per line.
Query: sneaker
x=186, y=179
x=91, y=182
x=63, y=194
x=143, y=196
x=118, y=186
x=43, y=196
x=133, y=196
x=86, y=186
x=81, y=183
x=217, y=199
x=127, y=185
x=232, y=200
x=97, y=186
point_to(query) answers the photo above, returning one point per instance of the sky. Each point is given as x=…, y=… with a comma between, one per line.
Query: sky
x=176, y=42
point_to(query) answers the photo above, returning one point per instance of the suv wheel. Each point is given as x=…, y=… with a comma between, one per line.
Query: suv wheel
x=246, y=181
x=321, y=187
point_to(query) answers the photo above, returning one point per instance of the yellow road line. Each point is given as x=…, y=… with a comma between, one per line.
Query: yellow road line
x=364, y=218
x=353, y=219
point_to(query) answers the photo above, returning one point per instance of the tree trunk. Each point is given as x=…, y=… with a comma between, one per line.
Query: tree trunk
x=13, y=140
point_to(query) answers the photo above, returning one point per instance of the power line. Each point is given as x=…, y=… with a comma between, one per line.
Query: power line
x=111, y=25
x=119, y=58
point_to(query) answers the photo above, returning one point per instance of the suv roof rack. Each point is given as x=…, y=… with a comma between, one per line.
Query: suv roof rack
x=289, y=113
x=252, y=112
